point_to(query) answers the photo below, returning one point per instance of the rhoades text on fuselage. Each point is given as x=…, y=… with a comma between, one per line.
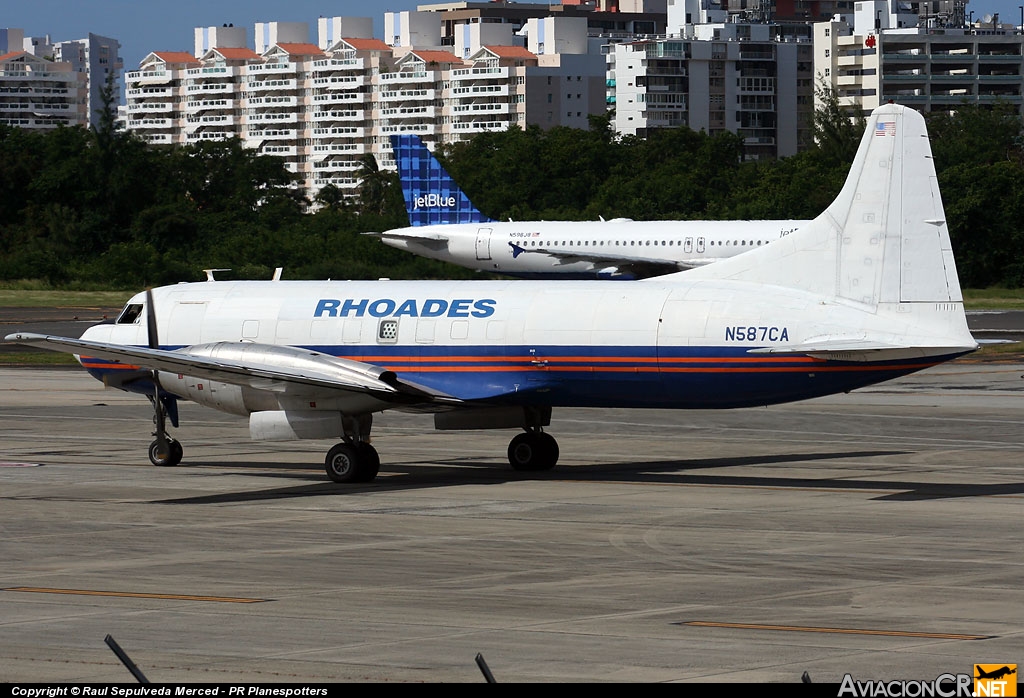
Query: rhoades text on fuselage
x=866, y=292
x=410, y=307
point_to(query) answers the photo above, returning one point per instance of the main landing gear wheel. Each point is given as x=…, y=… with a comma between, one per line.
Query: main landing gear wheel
x=533, y=451
x=352, y=462
x=169, y=459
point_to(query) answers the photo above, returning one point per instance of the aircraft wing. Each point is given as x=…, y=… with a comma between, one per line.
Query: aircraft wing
x=279, y=369
x=641, y=266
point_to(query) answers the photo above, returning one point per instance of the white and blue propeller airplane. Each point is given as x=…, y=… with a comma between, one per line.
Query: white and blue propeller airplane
x=445, y=225
x=866, y=292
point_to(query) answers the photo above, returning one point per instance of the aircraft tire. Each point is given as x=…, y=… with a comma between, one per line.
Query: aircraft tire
x=551, y=449
x=532, y=452
x=172, y=459
x=369, y=462
x=342, y=463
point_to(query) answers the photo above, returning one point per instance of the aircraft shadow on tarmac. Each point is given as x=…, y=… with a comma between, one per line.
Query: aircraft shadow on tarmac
x=675, y=472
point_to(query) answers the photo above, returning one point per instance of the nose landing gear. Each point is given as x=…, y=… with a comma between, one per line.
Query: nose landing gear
x=167, y=454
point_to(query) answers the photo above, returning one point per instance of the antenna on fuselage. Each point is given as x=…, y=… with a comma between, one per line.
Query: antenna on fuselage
x=209, y=273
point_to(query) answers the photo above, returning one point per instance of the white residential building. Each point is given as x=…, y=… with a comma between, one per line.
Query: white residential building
x=343, y=116
x=157, y=97
x=717, y=78
x=99, y=59
x=91, y=62
x=37, y=93
x=215, y=101
x=322, y=107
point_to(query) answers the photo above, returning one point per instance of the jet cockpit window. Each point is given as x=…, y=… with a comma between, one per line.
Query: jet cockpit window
x=130, y=315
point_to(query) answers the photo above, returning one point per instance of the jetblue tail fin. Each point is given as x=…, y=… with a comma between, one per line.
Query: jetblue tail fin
x=431, y=196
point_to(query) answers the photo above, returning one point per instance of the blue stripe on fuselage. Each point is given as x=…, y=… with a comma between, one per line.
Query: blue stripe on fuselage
x=601, y=376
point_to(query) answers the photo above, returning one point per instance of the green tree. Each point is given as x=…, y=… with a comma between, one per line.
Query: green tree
x=837, y=131
x=377, y=188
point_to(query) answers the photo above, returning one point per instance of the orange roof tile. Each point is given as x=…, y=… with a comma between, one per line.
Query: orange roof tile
x=175, y=56
x=437, y=56
x=510, y=52
x=237, y=53
x=14, y=54
x=301, y=49
x=367, y=44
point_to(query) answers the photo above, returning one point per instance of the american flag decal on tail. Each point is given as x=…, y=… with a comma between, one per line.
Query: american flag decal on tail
x=885, y=128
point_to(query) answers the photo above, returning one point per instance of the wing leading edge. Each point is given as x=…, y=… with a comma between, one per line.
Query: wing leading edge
x=278, y=369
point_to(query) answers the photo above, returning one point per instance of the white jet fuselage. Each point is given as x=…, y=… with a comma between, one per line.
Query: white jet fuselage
x=585, y=249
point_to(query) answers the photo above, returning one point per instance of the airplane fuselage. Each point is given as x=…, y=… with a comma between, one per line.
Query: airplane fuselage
x=586, y=249
x=639, y=344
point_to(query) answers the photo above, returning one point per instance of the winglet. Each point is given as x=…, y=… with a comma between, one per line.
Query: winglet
x=516, y=250
x=431, y=196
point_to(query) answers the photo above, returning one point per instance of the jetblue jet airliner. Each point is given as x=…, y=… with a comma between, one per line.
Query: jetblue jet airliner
x=866, y=292
x=445, y=225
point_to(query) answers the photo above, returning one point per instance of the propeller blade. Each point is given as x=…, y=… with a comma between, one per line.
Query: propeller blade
x=154, y=340
x=163, y=446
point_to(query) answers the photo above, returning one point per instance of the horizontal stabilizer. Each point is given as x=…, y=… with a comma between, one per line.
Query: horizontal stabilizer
x=411, y=235
x=826, y=345
x=859, y=350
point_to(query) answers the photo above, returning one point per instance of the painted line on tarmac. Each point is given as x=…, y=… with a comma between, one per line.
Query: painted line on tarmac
x=843, y=631
x=135, y=595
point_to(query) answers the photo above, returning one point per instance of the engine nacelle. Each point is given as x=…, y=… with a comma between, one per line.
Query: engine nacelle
x=220, y=396
x=277, y=425
x=261, y=394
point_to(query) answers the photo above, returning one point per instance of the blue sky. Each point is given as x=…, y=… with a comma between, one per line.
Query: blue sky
x=143, y=25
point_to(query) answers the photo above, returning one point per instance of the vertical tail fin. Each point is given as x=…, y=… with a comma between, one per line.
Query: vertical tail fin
x=431, y=195
x=883, y=240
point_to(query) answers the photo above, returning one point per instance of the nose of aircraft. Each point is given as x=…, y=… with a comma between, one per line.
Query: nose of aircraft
x=99, y=332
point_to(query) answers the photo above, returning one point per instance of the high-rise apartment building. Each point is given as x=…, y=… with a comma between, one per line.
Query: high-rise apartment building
x=45, y=84
x=99, y=59
x=157, y=96
x=888, y=53
x=37, y=93
x=755, y=80
x=323, y=106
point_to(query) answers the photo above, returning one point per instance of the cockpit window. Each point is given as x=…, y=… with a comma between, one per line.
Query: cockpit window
x=130, y=315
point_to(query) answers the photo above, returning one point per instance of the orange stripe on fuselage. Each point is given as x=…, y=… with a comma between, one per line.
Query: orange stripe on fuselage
x=580, y=359
x=564, y=364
